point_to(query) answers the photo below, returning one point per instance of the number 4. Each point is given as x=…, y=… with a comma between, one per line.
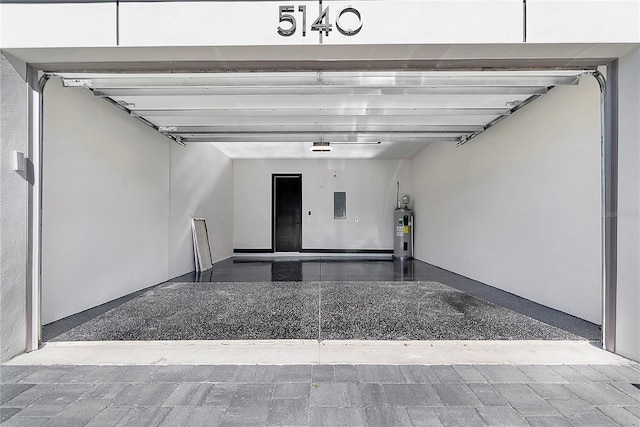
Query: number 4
x=325, y=26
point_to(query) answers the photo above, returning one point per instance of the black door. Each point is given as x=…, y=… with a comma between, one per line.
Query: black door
x=287, y=213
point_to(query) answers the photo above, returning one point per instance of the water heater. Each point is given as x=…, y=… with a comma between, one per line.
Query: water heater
x=403, y=240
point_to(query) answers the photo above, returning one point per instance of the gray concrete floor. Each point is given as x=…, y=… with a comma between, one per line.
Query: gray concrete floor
x=332, y=395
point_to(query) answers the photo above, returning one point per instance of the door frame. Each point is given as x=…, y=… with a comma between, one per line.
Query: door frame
x=274, y=177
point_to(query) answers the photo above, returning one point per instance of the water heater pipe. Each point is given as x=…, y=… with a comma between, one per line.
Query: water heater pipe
x=413, y=248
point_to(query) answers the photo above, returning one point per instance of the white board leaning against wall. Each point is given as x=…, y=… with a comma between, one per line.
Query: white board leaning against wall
x=201, y=248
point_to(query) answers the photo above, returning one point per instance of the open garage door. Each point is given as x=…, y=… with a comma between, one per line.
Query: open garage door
x=363, y=115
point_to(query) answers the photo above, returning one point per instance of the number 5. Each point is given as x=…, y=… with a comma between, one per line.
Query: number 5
x=285, y=17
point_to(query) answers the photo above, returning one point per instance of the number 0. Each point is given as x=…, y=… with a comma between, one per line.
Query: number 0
x=349, y=31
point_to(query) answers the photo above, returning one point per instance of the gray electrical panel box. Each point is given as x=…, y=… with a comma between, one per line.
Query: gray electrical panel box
x=339, y=205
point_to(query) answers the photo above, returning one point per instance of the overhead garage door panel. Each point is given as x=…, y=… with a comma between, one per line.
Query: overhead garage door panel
x=360, y=114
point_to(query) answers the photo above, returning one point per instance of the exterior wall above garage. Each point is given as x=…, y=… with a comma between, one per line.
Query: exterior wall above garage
x=256, y=23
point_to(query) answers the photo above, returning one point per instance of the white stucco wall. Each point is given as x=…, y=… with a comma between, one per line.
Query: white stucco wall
x=58, y=24
x=13, y=213
x=583, y=21
x=518, y=207
x=251, y=23
x=117, y=200
x=628, y=301
x=371, y=197
x=202, y=187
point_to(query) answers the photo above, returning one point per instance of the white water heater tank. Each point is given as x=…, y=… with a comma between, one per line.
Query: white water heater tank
x=403, y=238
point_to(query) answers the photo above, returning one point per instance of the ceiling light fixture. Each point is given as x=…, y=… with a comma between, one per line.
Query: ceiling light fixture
x=321, y=146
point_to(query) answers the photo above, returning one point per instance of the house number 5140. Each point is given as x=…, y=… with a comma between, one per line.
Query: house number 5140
x=322, y=23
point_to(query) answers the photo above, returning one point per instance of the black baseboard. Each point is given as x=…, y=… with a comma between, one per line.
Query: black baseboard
x=319, y=251
x=348, y=251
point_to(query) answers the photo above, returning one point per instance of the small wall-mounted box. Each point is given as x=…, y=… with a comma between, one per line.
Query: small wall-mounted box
x=17, y=161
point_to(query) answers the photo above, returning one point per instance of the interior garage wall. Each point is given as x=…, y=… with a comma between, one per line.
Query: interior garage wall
x=371, y=197
x=628, y=215
x=519, y=206
x=105, y=204
x=201, y=186
x=13, y=213
x=116, y=203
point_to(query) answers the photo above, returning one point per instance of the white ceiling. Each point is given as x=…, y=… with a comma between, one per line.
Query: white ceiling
x=362, y=115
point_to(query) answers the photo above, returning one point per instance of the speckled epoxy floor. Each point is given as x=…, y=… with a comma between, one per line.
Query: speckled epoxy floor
x=421, y=311
x=361, y=310
x=320, y=298
x=209, y=311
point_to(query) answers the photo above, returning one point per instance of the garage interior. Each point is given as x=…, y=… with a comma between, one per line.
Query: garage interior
x=502, y=168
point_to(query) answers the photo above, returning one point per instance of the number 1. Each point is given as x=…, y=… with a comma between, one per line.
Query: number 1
x=303, y=9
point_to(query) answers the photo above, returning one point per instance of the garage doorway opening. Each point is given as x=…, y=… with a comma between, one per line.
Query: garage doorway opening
x=424, y=109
